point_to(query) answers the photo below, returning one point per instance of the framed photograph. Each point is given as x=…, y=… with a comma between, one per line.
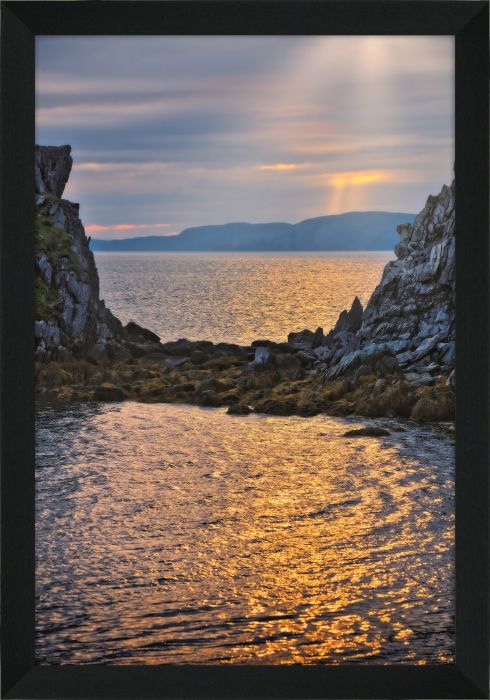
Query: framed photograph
x=244, y=349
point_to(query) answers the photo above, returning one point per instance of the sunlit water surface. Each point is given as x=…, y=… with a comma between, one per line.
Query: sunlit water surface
x=169, y=533
x=175, y=534
x=236, y=297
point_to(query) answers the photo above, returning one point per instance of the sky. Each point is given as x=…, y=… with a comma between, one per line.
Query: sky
x=171, y=132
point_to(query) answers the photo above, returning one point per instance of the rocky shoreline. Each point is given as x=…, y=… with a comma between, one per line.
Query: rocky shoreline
x=267, y=378
x=395, y=358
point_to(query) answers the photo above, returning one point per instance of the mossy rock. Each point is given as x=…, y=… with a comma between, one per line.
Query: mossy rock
x=52, y=376
x=276, y=407
x=108, y=392
x=239, y=409
x=48, y=302
x=368, y=431
x=55, y=242
x=440, y=408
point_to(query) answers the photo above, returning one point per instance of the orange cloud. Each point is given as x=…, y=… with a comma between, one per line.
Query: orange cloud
x=283, y=166
x=121, y=227
x=356, y=178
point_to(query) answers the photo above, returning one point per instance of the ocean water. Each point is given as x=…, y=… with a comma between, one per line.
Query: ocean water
x=236, y=297
x=178, y=534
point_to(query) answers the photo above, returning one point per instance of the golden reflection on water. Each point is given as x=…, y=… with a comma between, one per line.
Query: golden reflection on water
x=177, y=534
x=237, y=297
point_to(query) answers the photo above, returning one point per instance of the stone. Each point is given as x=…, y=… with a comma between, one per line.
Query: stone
x=108, y=392
x=119, y=353
x=239, y=409
x=377, y=356
x=447, y=353
x=65, y=265
x=288, y=364
x=305, y=358
x=350, y=321
x=135, y=332
x=451, y=380
x=426, y=346
x=274, y=347
x=212, y=385
x=317, y=337
x=411, y=313
x=98, y=354
x=303, y=340
x=263, y=359
x=323, y=353
x=369, y=431
x=208, y=398
x=433, y=410
x=198, y=357
x=52, y=167
x=45, y=269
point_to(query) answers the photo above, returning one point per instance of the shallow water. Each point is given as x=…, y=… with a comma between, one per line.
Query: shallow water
x=176, y=534
x=236, y=297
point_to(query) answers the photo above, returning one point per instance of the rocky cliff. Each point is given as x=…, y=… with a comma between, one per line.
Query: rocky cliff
x=71, y=319
x=409, y=322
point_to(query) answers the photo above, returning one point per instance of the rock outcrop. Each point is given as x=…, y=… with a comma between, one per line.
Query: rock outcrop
x=72, y=321
x=410, y=317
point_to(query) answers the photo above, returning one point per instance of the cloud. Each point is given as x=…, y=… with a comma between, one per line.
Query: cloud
x=284, y=166
x=197, y=130
x=97, y=228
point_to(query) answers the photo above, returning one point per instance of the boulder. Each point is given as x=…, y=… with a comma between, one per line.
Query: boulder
x=379, y=358
x=303, y=340
x=287, y=363
x=426, y=346
x=108, y=392
x=138, y=334
x=52, y=167
x=263, y=359
x=274, y=347
x=368, y=431
x=350, y=321
x=239, y=409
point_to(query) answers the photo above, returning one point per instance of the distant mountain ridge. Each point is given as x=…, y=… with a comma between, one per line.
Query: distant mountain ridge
x=369, y=230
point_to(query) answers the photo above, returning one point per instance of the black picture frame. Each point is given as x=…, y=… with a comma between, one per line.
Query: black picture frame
x=21, y=21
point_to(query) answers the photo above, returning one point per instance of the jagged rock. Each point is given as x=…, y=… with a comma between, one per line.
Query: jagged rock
x=303, y=340
x=368, y=431
x=317, y=337
x=323, y=353
x=198, y=357
x=137, y=333
x=426, y=346
x=98, y=354
x=158, y=358
x=45, y=269
x=108, y=392
x=287, y=363
x=411, y=313
x=350, y=321
x=67, y=282
x=447, y=353
x=52, y=167
x=343, y=342
x=416, y=296
x=274, y=347
x=263, y=359
x=451, y=380
x=239, y=409
x=379, y=358
x=305, y=358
